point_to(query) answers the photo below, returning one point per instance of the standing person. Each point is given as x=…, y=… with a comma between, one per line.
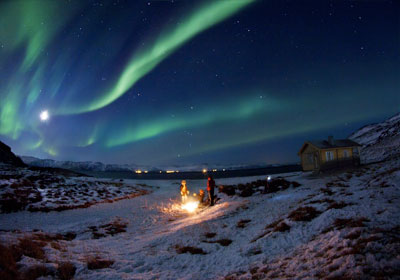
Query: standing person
x=210, y=189
x=266, y=187
x=184, y=191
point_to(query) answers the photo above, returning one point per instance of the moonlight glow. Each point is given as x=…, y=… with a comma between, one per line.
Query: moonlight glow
x=44, y=115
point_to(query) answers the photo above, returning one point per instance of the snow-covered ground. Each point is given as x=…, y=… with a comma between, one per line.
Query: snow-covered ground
x=332, y=226
x=46, y=189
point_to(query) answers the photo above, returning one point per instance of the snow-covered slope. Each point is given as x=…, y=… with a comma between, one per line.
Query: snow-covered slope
x=380, y=141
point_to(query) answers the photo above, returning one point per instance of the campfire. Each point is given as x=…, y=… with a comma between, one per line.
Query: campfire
x=190, y=206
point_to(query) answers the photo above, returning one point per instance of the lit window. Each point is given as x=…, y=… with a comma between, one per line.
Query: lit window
x=329, y=155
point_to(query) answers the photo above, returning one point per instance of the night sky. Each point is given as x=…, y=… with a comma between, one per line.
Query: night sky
x=187, y=82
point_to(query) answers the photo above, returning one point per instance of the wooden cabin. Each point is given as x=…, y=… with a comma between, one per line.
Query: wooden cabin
x=328, y=154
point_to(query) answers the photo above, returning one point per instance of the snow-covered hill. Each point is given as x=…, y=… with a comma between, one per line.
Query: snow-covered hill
x=380, y=141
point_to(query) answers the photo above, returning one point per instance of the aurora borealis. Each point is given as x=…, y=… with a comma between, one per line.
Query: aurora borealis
x=226, y=81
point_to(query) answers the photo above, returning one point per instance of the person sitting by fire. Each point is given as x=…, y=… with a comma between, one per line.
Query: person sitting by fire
x=184, y=191
x=201, y=196
x=210, y=190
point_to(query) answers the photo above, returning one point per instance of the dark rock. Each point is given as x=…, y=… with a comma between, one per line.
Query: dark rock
x=248, y=191
x=228, y=190
x=7, y=156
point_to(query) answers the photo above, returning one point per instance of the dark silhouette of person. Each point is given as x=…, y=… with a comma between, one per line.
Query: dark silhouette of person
x=210, y=189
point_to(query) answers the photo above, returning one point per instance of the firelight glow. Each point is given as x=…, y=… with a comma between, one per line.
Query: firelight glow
x=190, y=206
x=44, y=115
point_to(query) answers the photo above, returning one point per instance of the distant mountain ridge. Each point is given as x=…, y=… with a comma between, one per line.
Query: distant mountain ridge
x=380, y=141
x=77, y=165
x=103, y=167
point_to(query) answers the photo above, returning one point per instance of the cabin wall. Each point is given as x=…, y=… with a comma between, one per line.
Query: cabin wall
x=308, y=158
x=339, y=158
x=313, y=158
x=338, y=154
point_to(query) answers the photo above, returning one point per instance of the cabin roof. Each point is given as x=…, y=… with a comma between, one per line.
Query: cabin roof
x=324, y=144
x=337, y=143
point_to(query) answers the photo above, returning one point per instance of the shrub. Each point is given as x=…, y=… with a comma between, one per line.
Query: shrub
x=31, y=248
x=66, y=271
x=97, y=263
x=210, y=234
x=243, y=223
x=228, y=190
x=37, y=271
x=304, y=214
x=338, y=205
x=8, y=266
x=224, y=242
x=189, y=249
x=246, y=192
x=327, y=191
x=282, y=227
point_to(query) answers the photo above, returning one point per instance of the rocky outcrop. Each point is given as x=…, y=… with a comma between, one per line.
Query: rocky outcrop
x=8, y=157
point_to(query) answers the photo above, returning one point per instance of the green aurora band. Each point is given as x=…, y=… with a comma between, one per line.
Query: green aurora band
x=32, y=26
x=146, y=60
x=237, y=110
x=28, y=27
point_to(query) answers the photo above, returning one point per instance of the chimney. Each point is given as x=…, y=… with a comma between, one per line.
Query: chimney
x=330, y=140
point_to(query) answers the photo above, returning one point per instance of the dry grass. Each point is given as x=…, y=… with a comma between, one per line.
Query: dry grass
x=115, y=227
x=189, y=249
x=282, y=227
x=353, y=235
x=324, y=200
x=339, y=205
x=277, y=226
x=98, y=263
x=243, y=223
x=8, y=265
x=347, y=223
x=66, y=271
x=304, y=214
x=223, y=242
x=37, y=271
x=32, y=248
x=210, y=234
x=327, y=191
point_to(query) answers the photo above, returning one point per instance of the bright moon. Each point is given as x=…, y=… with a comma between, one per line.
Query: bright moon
x=44, y=115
